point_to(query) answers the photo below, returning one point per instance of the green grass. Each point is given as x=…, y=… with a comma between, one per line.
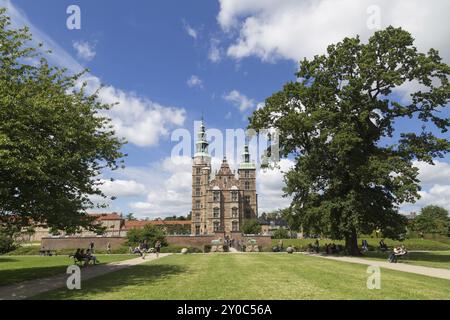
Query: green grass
x=434, y=259
x=252, y=276
x=14, y=269
x=410, y=244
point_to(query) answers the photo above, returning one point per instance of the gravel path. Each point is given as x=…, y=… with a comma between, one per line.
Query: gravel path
x=426, y=271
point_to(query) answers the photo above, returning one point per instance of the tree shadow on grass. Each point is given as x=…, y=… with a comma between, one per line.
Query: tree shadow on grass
x=116, y=281
x=8, y=259
x=15, y=276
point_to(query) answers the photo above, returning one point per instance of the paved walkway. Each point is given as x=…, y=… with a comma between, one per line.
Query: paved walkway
x=31, y=288
x=425, y=271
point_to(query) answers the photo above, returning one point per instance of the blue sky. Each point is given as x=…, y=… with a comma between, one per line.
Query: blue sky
x=167, y=62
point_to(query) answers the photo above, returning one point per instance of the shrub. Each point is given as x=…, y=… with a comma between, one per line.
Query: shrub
x=148, y=233
x=280, y=233
x=207, y=248
x=251, y=226
x=6, y=244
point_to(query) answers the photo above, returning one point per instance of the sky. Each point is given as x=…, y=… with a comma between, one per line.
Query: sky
x=169, y=62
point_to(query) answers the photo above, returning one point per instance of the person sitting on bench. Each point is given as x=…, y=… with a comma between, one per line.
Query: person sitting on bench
x=79, y=256
x=91, y=257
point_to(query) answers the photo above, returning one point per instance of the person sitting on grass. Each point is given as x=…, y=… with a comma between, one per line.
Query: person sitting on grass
x=365, y=246
x=317, y=246
x=383, y=246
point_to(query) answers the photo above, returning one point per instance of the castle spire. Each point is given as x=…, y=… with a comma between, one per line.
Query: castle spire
x=202, y=143
x=246, y=159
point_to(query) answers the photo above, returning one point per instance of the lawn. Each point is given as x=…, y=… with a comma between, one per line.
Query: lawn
x=410, y=244
x=14, y=269
x=434, y=259
x=252, y=276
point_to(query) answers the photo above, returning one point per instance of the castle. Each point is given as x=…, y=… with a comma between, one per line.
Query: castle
x=222, y=201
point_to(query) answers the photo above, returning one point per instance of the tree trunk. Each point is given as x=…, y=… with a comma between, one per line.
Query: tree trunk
x=351, y=243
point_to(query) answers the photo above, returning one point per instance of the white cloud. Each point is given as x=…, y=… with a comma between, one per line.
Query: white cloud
x=190, y=31
x=137, y=118
x=240, y=100
x=439, y=173
x=270, y=184
x=214, y=53
x=292, y=29
x=122, y=188
x=437, y=195
x=85, y=50
x=435, y=181
x=194, y=81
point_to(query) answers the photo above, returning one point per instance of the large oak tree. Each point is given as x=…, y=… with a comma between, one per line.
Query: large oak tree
x=54, y=140
x=353, y=164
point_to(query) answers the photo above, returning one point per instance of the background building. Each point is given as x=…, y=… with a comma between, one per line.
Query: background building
x=222, y=201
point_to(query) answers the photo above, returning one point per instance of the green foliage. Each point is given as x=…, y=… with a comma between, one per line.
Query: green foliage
x=432, y=219
x=148, y=233
x=280, y=233
x=332, y=120
x=130, y=217
x=6, y=243
x=251, y=226
x=55, y=138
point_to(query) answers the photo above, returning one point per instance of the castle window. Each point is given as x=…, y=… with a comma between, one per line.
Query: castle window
x=235, y=226
x=247, y=185
x=246, y=174
x=197, y=192
x=247, y=199
x=216, y=213
x=248, y=213
x=197, y=181
x=197, y=230
x=197, y=204
x=197, y=216
x=216, y=196
x=198, y=171
x=234, y=196
x=216, y=225
x=234, y=212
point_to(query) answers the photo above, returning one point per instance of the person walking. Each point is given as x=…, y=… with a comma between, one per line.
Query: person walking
x=158, y=248
x=108, y=248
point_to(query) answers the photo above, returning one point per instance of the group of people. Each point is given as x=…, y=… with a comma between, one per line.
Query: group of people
x=86, y=256
x=143, y=249
x=397, y=252
x=332, y=248
x=314, y=247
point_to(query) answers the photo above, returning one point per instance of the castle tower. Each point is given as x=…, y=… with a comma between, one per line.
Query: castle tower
x=201, y=170
x=247, y=183
x=221, y=202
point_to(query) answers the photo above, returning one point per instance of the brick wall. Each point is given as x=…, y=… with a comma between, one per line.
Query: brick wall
x=78, y=242
x=200, y=241
x=116, y=242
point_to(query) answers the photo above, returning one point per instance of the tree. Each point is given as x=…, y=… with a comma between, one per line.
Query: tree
x=432, y=219
x=148, y=233
x=130, y=217
x=292, y=219
x=54, y=138
x=251, y=226
x=336, y=121
x=280, y=233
